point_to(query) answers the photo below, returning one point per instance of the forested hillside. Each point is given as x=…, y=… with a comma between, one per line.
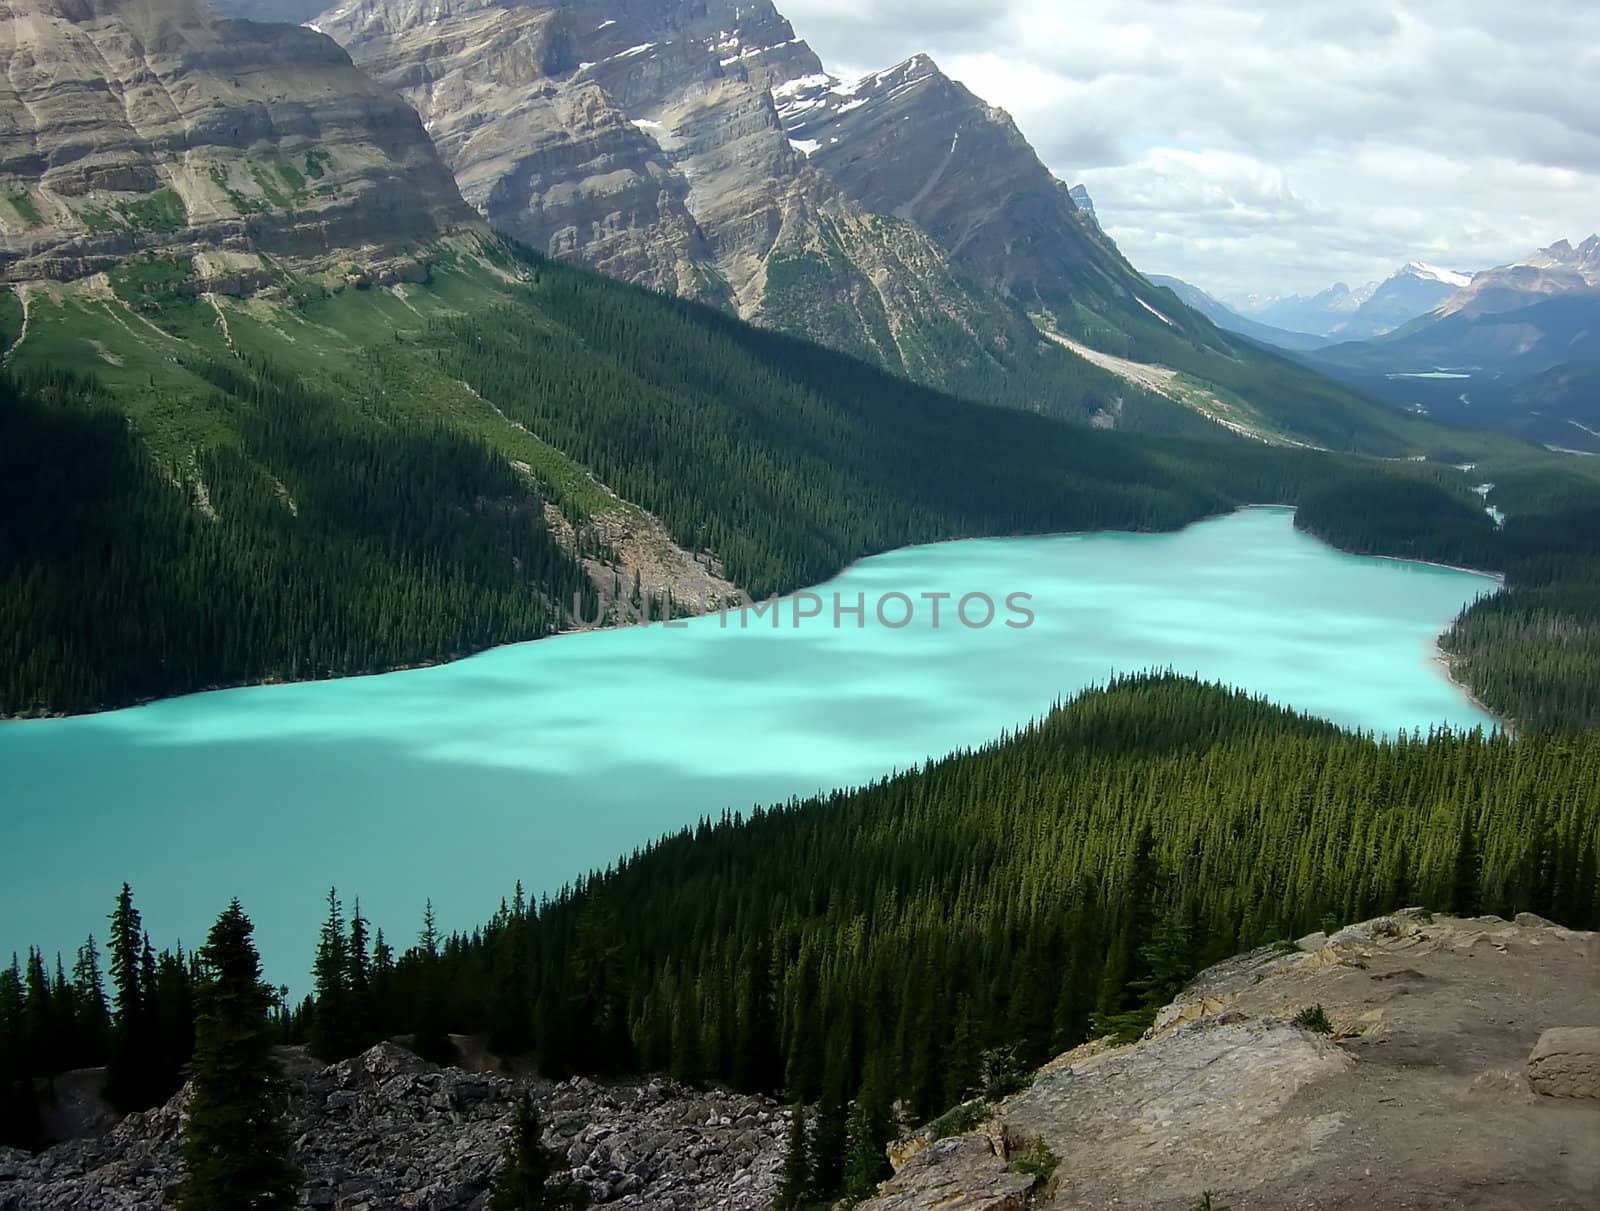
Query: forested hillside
x=357, y=481
x=1533, y=653
x=314, y=546
x=936, y=932
x=417, y=435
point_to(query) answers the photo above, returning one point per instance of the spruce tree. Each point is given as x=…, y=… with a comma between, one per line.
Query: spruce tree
x=795, y=1182
x=528, y=1179
x=1464, y=874
x=430, y=1035
x=865, y=1161
x=235, y=1138
x=89, y=1003
x=330, y=1025
x=358, y=983
x=128, y=1080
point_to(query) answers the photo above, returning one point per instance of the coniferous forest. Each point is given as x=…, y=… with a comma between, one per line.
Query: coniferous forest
x=332, y=536
x=915, y=940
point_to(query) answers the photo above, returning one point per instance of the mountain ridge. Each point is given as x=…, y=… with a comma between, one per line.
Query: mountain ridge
x=1340, y=313
x=705, y=151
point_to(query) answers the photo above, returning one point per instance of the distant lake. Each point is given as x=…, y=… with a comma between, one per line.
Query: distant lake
x=542, y=760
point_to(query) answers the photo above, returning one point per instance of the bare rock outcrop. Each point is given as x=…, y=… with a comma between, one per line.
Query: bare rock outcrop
x=962, y=1173
x=1565, y=1062
x=1420, y=1094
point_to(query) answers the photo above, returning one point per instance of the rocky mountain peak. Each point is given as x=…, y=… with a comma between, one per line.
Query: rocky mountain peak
x=1584, y=258
x=1081, y=199
x=913, y=143
x=1560, y=269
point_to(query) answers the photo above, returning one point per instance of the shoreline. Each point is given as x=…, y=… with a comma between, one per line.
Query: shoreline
x=264, y=682
x=1498, y=577
x=1504, y=724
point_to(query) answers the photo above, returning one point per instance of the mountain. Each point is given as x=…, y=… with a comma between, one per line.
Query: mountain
x=250, y=150
x=1319, y=314
x=1415, y=289
x=335, y=425
x=332, y=424
x=1371, y=310
x=1558, y=269
x=1081, y=199
x=1559, y=407
x=913, y=143
x=701, y=149
x=646, y=143
x=1223, y=316
x=1513, y=349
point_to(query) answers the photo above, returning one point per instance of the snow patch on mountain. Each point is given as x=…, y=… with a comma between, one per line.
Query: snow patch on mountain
x=1432, y=273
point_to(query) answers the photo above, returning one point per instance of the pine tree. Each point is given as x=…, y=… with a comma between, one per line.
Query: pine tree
x=528, y=1179
x=827, y=1147
x=1464, y=874
x=382, y=986
x=235, y=1138
x=430, y=1035
x=128, y=1079
x=19, y=1110
x=358, y=982
x=330, y=1026
x=795, y=1182
x=89, y=1003
x=865, y=1161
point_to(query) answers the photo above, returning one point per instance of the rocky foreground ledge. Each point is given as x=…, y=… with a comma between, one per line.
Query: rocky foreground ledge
x=385, y=1131
x=1455, y=1064
x=1459, y=1068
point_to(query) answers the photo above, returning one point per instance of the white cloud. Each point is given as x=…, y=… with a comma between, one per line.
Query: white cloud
x=1274, y=145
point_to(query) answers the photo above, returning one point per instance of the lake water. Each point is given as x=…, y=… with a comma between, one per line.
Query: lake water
x=544, y=759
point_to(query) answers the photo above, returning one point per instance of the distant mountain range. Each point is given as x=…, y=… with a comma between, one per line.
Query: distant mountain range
x=1340, y=313
x=1517, y=347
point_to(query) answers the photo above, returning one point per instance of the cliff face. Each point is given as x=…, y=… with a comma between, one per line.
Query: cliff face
x=144, y=126
x=550, y=117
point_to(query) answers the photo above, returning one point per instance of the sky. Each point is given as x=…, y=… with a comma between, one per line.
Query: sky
x=1268, y=147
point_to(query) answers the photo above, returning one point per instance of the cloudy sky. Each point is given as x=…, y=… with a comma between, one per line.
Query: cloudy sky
x=1275, y=146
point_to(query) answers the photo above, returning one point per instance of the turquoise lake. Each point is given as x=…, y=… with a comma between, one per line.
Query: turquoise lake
x=541, y=760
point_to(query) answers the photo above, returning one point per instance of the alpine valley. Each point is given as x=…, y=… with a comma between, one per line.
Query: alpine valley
x=356, y=341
